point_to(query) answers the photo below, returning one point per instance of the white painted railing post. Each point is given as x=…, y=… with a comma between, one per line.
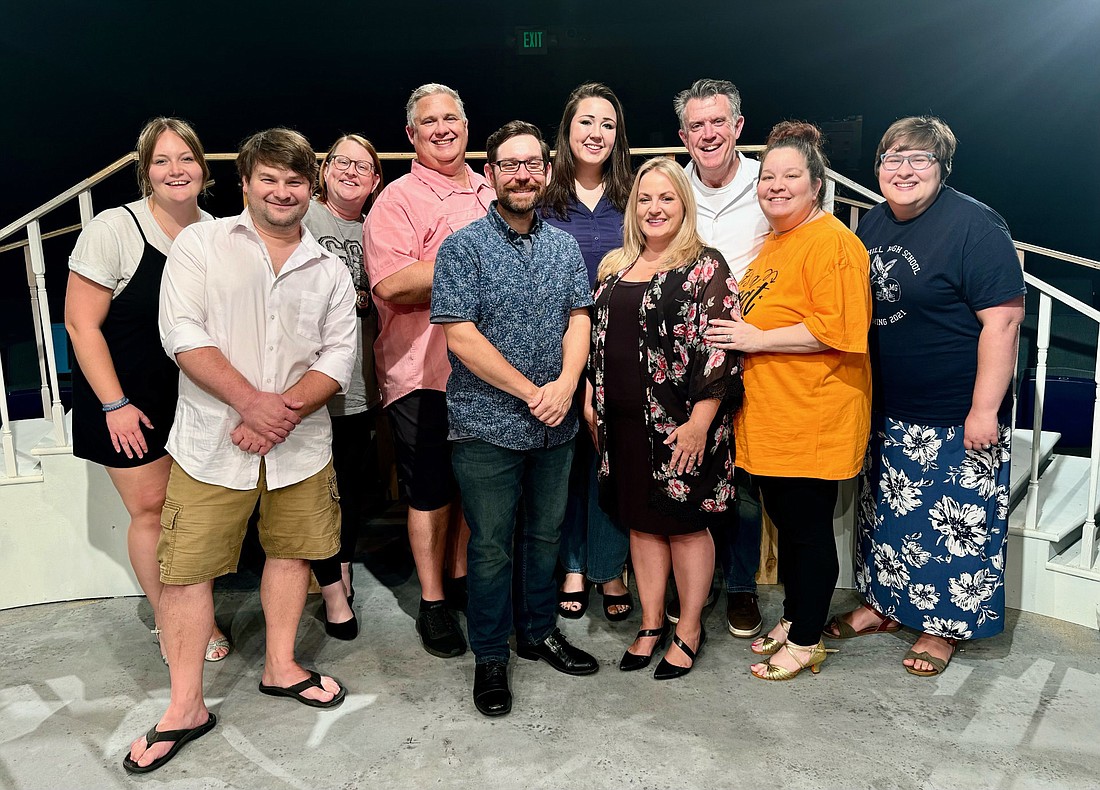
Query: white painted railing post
x=1042, y=344
x=39, y=343
x=6, y=438
x=85, y=201
x=1088, y=531
x=38, y=264
x=853, y=217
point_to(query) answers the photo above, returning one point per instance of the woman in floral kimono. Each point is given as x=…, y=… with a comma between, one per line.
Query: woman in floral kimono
x=949, y=299
x=662, y=405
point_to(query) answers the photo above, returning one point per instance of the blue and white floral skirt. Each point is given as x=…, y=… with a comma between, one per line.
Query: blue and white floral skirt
x=931, y=529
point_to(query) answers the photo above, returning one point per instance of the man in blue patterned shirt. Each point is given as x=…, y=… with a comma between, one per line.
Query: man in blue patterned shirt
x=512, y=295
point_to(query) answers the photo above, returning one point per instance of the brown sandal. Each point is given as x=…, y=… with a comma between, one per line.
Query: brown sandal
x=938, y=664
x=845, y=631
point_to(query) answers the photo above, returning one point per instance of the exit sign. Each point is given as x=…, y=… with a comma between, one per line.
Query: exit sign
x=531, y=40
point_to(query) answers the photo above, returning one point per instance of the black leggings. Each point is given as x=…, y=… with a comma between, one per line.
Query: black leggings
x=351, y=449
x=802, y=510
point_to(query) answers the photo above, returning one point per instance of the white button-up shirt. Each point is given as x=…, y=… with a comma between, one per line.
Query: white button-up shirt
x=219, y=289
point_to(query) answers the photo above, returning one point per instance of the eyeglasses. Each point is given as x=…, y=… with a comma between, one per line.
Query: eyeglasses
x=510, y=166
x=363, y=167
x=922, y=160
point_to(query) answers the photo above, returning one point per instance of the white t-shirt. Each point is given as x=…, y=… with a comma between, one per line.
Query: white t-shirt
x=729, y=217
x=109, y=248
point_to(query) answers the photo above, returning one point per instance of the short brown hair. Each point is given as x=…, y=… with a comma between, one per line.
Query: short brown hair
x=510, y=130
x=147, y=143
x=923, y=132
x=284, y=148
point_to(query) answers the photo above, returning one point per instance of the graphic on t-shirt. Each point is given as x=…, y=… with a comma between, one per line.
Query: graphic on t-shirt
x=887, y=289
x=752, y=287
x=350, y=251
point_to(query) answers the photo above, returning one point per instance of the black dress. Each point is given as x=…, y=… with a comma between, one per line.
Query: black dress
x=627, y=433
x=148, y=377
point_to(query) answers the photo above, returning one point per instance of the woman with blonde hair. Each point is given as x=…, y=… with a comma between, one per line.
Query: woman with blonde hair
x=661, y=405
x=124, y=386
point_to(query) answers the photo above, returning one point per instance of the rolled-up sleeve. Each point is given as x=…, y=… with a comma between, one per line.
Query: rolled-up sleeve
x=182, y=320
x=338, y=342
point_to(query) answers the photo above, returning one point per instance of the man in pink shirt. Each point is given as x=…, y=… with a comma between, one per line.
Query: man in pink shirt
x=402, y=234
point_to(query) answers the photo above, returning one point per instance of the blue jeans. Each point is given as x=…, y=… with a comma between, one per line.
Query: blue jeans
x=591, y=543
x=737, y=541
x=495, y=482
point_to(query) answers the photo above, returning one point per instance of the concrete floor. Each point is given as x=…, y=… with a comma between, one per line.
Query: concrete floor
x=80, y=680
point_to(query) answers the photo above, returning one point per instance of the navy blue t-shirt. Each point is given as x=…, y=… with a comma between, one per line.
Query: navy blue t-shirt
x=929, y=275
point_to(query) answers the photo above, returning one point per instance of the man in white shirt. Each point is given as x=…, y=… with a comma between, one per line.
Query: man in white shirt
x=261, y=321
x=729, y=219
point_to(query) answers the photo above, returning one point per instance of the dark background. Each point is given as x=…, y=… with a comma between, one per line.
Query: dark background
x=1018, y=80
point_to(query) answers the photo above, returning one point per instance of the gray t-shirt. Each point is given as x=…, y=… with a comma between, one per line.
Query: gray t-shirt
x=344, y=238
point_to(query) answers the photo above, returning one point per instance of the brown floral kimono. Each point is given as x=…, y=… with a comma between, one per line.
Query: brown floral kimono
x=682, y=369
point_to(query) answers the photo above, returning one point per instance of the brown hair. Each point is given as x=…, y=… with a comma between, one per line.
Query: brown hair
x=807, y=139
x=510, y=130
x=562, y=189
x=147, y=143
x=283, y=148
x=920, y=132
x=322, y=187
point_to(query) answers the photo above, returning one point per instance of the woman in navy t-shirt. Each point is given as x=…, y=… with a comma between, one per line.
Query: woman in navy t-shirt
x=948, y=303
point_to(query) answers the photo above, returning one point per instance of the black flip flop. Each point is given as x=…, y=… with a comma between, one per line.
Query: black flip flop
x=295, y=691
x=156, y=736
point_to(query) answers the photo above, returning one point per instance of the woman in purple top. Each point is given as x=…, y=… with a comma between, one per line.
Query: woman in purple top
x=588, y=191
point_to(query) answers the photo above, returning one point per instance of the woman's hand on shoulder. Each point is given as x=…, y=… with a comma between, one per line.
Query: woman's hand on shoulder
x=734, y=335
x=125, y=427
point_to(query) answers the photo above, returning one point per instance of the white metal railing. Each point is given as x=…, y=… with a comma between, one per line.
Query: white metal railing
x=864, y=199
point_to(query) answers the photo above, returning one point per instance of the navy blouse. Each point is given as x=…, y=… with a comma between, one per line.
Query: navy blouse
x=597, y=232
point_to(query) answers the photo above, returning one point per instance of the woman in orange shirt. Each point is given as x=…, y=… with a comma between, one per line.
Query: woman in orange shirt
x=806, y=309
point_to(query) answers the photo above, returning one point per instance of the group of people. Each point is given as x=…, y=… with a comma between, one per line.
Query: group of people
x=714, y=329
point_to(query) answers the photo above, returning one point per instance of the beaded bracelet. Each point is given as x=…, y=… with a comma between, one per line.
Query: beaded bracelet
x=117, y=404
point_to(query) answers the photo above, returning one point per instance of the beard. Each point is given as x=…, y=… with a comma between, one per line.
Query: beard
x=286, y=219
x=521, y=205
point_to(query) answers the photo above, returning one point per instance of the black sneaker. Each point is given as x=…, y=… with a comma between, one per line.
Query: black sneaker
x=743, y=614
x=438, y=630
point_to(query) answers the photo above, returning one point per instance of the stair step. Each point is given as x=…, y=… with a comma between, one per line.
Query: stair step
x=1063, y=497
x=26, y=434
x=1067, y=562
x=47, y=445
x=1021, y=459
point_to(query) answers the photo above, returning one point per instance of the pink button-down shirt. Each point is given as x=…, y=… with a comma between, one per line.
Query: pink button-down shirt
x=409, y=221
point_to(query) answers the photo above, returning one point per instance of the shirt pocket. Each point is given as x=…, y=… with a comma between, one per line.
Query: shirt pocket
x=312, y=308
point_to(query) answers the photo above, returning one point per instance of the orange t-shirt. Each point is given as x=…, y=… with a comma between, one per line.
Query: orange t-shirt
x=808, y=415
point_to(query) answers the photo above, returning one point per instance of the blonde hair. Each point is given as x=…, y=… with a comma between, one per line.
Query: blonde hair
x=685, y=245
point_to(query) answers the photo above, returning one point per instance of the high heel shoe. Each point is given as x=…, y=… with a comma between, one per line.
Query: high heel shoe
x=669, y=671
x=580, y=597
x=768, y=645
x=815, y=657
x=625, y=600
x=631, y=662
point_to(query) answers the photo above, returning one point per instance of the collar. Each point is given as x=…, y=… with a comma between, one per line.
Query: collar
x=308, y=245
x=506, y=230
x=443, y=186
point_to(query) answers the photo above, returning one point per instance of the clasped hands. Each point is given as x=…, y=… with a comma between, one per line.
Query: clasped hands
x=266, y=420
x=551, y=402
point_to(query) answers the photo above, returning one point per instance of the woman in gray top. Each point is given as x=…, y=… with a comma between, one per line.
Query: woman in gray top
x=351, y=177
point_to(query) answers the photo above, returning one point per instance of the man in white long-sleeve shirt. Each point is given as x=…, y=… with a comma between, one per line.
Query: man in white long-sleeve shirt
x=261, y=321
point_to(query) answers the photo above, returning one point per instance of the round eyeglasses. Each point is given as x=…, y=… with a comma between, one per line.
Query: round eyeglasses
x=363, y=167
x=921, y=160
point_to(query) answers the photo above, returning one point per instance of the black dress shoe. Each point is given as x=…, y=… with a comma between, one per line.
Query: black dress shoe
x=668, y=671
x=347, y=630
x=632, y=662
x=559, y=654
x=491, y=694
